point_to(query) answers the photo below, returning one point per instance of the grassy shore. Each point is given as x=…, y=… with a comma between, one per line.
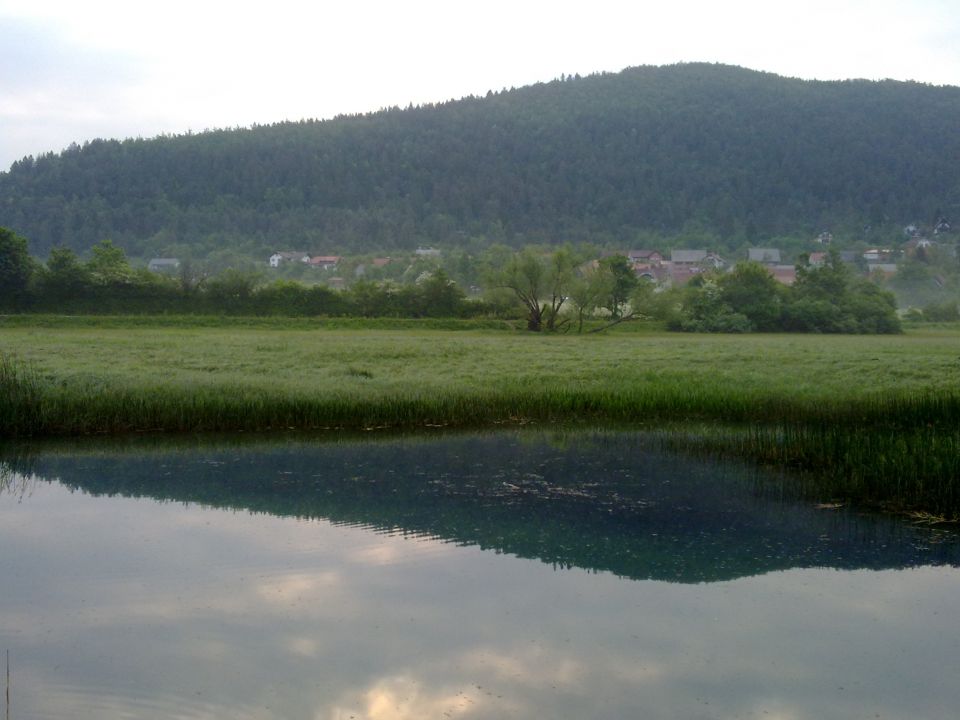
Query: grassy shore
x=879, y=414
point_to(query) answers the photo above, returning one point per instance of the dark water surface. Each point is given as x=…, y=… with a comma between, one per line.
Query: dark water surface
x=512, y=575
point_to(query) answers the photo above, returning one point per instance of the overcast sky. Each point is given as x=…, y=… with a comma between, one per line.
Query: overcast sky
x=73, y=71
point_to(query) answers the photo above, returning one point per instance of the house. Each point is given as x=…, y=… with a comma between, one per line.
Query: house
x=696, y=258
x=380, y=262
x=427, y=252
x=324, y=262
x=279, y=258
x=824, y=238
x=163, y=264
x=684, y=265
x=881, y=255
x=657, y=272
x=647, y=264
x=786, y=274
x=644, y=257
x=916, y=243
x=765, y=256
x=819, y=259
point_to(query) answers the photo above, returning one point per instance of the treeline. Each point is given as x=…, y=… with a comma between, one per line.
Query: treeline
x=107, y=284
x=552, y=290
x=556, y=292
x=824, y=299
x=709, y=154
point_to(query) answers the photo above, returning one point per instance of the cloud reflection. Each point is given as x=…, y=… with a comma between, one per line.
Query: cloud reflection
x=120, y=607
x=404, y=698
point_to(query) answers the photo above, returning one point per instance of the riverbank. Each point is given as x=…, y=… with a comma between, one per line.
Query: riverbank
x=879, y=413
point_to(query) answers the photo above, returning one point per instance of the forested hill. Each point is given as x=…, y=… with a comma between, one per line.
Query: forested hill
x=610, y=158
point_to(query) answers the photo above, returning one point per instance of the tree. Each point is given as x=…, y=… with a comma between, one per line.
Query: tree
x=587, y=291
x=828, y=299
x=621, y=281
x=753, y=292
x=440, y=296
x=108, y=264
x=16, y=269
x=704, y=309
x=65, y=278
x=233, y=287
x=191, y=278
x=827, y=282
x=541, y=283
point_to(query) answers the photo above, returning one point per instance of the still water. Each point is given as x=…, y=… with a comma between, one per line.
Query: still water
x=511, y=575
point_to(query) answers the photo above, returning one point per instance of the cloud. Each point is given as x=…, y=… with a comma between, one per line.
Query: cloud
x=53, y=92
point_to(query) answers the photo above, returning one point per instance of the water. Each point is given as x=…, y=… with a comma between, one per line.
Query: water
x=513, y=575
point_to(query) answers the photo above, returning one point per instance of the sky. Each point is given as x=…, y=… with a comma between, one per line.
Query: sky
x=73, y=72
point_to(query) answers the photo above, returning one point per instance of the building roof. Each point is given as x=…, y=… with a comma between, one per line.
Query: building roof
x=764, y=255
x=787, y=274
x=687, y=256
x=643, y=254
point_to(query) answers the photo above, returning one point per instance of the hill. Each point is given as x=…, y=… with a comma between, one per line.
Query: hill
x=646, y=155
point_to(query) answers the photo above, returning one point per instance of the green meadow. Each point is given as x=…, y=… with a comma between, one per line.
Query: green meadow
x=873, y=418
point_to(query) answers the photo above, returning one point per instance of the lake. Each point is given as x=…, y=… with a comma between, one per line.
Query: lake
x=520, y=574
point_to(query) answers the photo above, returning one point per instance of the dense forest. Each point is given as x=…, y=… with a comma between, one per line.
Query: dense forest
x=692, y=153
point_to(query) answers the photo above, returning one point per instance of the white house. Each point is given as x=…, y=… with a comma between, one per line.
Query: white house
x=281, y=257
x=163, y=264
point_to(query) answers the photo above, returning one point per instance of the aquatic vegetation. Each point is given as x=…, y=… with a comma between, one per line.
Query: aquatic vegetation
x=871, y=418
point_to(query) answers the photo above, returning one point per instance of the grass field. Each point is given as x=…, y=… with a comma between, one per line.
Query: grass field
x=870, y=409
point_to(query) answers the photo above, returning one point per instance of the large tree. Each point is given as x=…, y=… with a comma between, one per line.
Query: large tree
x=16, y=268
x=621, y=282
x=541, y=282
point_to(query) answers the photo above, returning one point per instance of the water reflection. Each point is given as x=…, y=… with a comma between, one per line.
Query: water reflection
x=355, y=580
x=603, y=501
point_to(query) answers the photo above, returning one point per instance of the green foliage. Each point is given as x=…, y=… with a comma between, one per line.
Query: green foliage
x=587, y=291
x=703, y=154
x=944, y=312
x=826, y=282
x=541, y=283
x=108, y=264
x=16, y=269
x=751, y=291
x=706, y=311
x=233, y=287
x=439, y=296
x=620, y=282
x=826, y=299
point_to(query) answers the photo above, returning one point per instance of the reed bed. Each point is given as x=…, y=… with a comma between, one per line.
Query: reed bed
x=787, y=401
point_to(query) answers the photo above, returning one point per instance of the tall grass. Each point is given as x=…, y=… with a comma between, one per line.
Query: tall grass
x=795, y=402
x=884, y=465
x=21, y=394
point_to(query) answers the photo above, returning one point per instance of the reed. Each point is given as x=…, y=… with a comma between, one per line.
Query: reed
x=895, y=468
x=786, y=401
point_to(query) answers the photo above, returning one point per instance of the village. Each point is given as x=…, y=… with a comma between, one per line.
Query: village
x=674, y=268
